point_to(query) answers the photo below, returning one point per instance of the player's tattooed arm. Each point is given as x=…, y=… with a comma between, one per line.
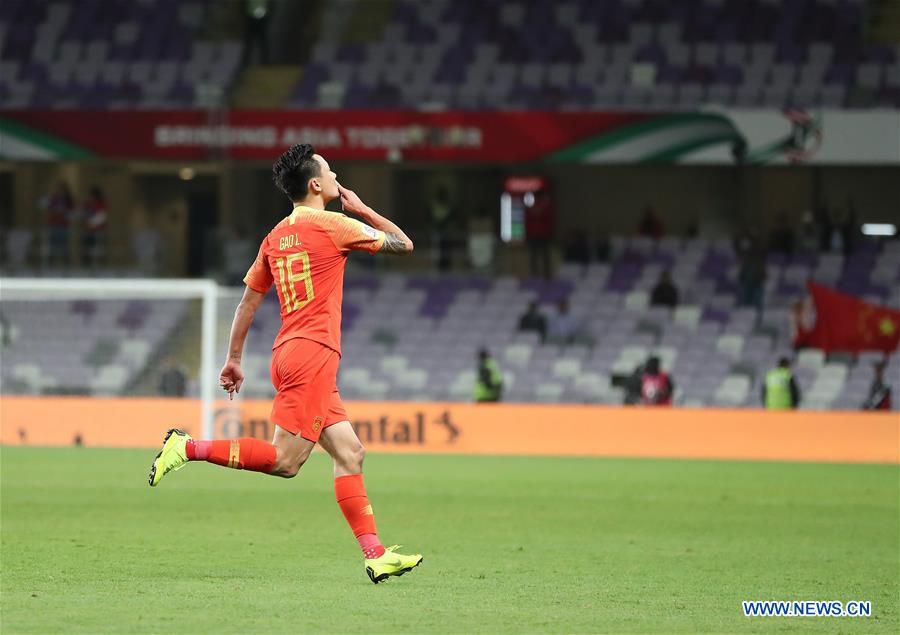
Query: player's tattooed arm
x=394, y=244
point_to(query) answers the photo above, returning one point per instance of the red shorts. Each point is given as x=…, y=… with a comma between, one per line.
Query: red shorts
x=305, y=375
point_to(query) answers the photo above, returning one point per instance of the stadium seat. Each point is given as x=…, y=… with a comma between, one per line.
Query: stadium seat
x=548, y=392
x=415, y=379
x=810, y=358
x=134, y=352
x=637, y=300
x=733, y=392
x=687, y=316
x=591, y=387
x=394, y=364
x=730, y=344
x=108, y=380
x=566, y=368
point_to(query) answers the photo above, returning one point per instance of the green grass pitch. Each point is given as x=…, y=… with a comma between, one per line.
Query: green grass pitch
x=511, y=544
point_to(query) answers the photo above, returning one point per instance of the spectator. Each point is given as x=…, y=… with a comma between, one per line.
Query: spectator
x=257, y=14
x=562, y=327
x=8, y=332
x=173, y=380
x=823, y=223
x=782, y=238
x=693, y=228
x=59, y=208
x=656, y=385
x=482, y=241
x=665, y=293
x=443, y=220
x=850, y=229
x=603, y=249
x=489, y=379
x=780, y=391
x=539, y=221
x=651, y=225
x=95, y=227
x=747, y=241
x=809, y=234
x=836, y=234
x=880, y=392
x=802, y=321
x=533, y=320
x=752, y=269
x=631, y=384
x=577, y=249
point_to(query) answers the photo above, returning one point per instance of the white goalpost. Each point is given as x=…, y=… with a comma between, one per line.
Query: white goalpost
x=97, y=289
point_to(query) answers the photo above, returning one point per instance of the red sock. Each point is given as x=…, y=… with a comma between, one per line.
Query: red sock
x=241, y=454
x=351, y=496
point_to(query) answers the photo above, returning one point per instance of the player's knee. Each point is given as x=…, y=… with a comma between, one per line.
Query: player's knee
x=351, y=458
x=288, y=467
x=360, y=455
x=285, y=470
x=290, y=470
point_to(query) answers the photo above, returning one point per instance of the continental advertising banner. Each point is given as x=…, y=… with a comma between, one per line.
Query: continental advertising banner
x=717, y=137
x=517, y=429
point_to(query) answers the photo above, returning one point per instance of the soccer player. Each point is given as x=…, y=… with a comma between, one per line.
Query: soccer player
x=304, y=257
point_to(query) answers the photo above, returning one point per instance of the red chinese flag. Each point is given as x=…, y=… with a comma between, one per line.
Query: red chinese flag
x=846, y=323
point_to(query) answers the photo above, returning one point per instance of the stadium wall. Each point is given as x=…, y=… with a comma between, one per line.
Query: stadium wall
x=608, y=199
x=560, y=430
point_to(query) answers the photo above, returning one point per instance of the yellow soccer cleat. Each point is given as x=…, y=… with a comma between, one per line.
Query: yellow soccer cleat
x=172, y=456
x=391, y=563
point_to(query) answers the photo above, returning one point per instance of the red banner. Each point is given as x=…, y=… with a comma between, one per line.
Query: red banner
x=846, y=323
x=340, y=135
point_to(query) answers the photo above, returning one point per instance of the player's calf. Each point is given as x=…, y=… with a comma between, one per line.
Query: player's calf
x=245, y=453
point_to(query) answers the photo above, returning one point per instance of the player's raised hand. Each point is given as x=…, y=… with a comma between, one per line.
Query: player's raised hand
x=350, y=202
x=231, y=378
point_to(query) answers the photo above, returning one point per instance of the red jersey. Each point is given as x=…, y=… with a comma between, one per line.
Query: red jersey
x=305, y=255
x=539, y=219
x=656, y=390
x=97, y=217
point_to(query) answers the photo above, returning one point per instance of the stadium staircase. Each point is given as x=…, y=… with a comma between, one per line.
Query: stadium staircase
x=223, y=21
x=884, y=21
x=183, y=345
x=367, y=22
x=271, y=86
x=265, y=86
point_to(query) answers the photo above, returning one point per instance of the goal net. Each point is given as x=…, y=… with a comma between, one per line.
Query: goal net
x=104, y=349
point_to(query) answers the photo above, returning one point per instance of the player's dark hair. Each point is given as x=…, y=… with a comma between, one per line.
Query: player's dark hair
x=293, y=170
x=784, y=362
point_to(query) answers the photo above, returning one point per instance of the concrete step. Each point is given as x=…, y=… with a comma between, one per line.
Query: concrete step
x=884, y=22
x=265, y=86
x=368, y=20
